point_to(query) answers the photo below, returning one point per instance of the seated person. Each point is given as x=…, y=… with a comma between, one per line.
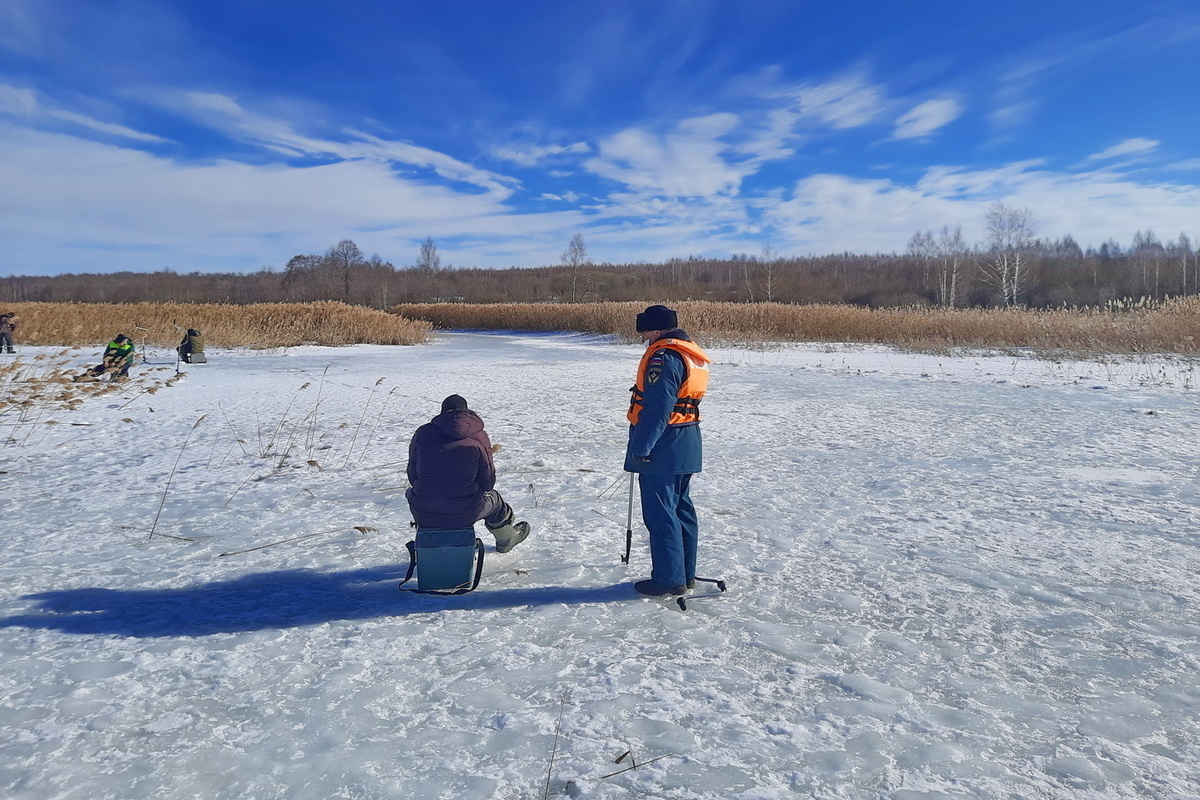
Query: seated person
x=118, y=357
x=191, y=349
x=452, y=475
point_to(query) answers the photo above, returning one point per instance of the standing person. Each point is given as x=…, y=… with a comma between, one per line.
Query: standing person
x=452, y=475
x=118, y=357
x=8, y=326
x=665, y=449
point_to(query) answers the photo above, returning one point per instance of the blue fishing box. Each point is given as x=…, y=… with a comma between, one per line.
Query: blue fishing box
x=447, y=560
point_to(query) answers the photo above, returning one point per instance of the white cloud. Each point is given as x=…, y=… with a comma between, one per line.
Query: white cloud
x=15, y=101
x=774, y=137
x=1129, y=147
x=1187, y=164
x=848, y=102
x=688, y=162
x=827, y=213
x=1012, y=114
x=19, y=31
x=19, y=102
x=224, y=114
x=104, y=127
x=532, y=155
x=69, y=204
x=930, y=116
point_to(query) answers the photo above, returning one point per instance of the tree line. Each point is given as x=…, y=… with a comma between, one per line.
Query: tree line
x=1012, y=266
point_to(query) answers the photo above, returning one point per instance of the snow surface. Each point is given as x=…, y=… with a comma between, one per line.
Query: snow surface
x=948, y=577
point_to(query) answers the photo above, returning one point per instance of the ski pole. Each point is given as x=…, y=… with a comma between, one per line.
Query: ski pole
x=629, y=524
x=144, y=331
x=178, y=355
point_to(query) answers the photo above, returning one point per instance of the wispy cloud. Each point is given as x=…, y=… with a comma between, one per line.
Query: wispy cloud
x=690, y=161
x=926, y=118
x=223, y=113
x=22, y=102
x=19, y=32
x=533, y=155
x=829, y=212
x=848, y=102
x=140, y=210
x=1129, y=147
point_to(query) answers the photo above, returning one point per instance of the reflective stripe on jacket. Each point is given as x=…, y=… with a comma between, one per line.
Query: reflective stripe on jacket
x=119, y=351
x=687, y=405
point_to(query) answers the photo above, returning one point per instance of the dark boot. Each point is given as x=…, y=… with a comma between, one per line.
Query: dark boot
x=652, y=589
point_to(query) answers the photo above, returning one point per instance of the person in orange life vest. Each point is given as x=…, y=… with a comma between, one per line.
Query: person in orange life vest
x=665, y=449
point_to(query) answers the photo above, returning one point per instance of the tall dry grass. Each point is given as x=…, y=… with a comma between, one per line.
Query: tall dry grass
x=263, y=325
x=1169, y=327
x=34, y=392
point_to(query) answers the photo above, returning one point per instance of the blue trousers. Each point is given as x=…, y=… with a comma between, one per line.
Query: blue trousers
x=670, y=518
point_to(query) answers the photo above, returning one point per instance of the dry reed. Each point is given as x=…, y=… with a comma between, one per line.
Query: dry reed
x=1169, y=327
x=263, y=325
x=34, y=390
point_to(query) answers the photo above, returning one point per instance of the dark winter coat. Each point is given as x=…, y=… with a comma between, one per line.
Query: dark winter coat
x=450, y=467
x=193, y=342
x=674, y=449
x=6, y=323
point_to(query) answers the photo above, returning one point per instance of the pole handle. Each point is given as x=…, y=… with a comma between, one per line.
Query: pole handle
x=629, y=524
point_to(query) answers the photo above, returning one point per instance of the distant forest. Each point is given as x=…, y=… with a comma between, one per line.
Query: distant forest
x=1011, y=267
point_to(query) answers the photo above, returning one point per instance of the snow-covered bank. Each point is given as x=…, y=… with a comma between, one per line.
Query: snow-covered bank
x=948, y=577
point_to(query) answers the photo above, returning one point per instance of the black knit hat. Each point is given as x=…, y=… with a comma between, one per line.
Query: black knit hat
x=454, y=402
x=657, y=318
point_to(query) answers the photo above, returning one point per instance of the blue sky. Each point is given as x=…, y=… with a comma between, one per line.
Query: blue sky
x=228, y=135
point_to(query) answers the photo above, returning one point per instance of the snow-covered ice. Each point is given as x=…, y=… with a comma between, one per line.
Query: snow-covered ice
x=948, y=577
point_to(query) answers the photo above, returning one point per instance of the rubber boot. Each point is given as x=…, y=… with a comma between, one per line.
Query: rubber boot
x=510, y=535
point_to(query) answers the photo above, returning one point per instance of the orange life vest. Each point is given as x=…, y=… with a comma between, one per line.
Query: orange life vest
x=695, y=381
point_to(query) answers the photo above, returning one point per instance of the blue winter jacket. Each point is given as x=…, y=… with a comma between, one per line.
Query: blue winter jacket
x=674, y=449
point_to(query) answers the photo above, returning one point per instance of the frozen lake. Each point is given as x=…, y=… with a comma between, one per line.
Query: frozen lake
x=948, y=577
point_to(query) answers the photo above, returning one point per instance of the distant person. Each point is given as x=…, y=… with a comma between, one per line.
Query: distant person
x=8, y=326
x=665, y=449
x=191, y=348
x=118, y=357
x=452, y=475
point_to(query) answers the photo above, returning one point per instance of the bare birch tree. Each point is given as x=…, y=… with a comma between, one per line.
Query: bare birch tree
x=744, y=262
x=952, y=253
x=922, y=247
x=770, y=261
x=428, y=259
x=1183, y=252
x=1009, y=255
x=575, y=256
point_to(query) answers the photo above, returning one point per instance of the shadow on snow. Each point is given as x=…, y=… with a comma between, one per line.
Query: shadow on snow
x=269, y=600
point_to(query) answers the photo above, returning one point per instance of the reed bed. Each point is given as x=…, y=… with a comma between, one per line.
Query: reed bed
x=35, y=392
x=1169, y=327
x=258, y=326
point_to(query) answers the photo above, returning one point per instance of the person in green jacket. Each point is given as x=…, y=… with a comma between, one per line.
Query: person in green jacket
x=117, y=359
